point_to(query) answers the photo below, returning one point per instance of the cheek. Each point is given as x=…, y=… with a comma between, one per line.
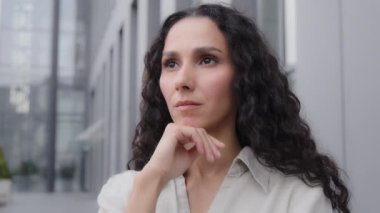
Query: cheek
x=164, y=87
x=220, y=86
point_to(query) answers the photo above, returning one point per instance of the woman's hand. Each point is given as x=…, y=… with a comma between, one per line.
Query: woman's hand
x=179, y=147
x=176, y=151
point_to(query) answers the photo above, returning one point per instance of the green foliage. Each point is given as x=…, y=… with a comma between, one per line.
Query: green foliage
x=67, y=171
x=27, y=168
x=4, y=170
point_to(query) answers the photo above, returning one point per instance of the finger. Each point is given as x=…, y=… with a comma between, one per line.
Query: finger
x=218, y=144
x=205, y=145
x=189, y=146
x=190, y=134
x=214, y=147
x=209, y=152
x=206, y=137
x=186, y=143
x=211, y=145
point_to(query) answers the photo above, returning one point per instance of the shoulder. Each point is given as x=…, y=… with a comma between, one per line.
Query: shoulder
x=114, y=193
x=301, y=197
x=288, y=192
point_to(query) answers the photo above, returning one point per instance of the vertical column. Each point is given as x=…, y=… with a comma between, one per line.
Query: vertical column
x=126, y=113
x=107, y=128
x=120, y=97
x=142, y=45
x=113, y=109
x=148, y=24
x=133, y=91
x=53, y=98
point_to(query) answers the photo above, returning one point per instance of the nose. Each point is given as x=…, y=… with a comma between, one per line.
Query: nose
x=185, y=79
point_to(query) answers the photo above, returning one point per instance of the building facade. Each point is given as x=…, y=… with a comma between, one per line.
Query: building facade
x=25, y=68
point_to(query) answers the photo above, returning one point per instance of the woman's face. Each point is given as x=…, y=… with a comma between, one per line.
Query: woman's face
x=197, y=74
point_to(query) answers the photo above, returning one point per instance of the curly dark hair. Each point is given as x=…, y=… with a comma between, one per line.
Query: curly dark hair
x=268, y=116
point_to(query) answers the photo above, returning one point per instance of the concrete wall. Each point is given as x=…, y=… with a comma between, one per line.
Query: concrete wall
x=318, y=72
x=361, y=65
x=336, y=78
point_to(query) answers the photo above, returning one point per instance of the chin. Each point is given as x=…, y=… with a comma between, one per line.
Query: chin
x=190, y=122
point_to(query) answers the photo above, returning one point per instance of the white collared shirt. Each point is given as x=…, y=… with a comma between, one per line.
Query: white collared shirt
x=248, y=187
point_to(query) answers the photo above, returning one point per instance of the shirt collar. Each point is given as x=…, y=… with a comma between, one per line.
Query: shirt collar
x=246, y=160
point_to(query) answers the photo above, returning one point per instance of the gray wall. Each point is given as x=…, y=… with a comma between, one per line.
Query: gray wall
x=336, y=78
x=361, y=65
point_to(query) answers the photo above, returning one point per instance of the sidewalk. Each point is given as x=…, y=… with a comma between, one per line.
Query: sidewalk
x=55, y=202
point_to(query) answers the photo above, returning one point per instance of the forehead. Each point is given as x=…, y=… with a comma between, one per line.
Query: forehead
x=193, y=32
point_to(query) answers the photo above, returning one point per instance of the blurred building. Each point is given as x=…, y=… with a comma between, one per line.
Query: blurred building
x=25, y=67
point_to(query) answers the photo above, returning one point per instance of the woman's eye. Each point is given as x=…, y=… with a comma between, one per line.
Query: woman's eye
x=170, y=64
x=208, y=60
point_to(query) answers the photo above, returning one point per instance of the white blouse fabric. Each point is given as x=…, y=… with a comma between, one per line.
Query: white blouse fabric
x=248, y=187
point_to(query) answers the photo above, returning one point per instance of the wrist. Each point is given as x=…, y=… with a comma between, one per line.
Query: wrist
x=150, y=176
x=147, y=185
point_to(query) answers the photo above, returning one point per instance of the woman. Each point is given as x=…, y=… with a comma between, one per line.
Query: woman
x=220, y=130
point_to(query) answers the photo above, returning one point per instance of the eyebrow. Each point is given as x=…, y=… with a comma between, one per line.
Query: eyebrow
x=197, y=50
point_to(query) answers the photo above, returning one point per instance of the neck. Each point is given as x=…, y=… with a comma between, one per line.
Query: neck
x=201, y=168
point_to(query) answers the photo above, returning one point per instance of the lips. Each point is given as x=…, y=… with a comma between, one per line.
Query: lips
x=187, y=105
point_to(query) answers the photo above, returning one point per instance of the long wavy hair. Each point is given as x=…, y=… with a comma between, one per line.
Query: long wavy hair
x=268, y=116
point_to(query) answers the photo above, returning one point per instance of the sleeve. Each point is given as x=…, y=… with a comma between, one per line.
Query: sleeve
x=310, y=200
x=114, y=194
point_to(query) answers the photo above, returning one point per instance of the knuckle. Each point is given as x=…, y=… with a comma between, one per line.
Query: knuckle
x=170, y=127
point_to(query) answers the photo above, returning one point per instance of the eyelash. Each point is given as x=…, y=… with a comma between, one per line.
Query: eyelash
x=167, y=62
x=213, y=60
